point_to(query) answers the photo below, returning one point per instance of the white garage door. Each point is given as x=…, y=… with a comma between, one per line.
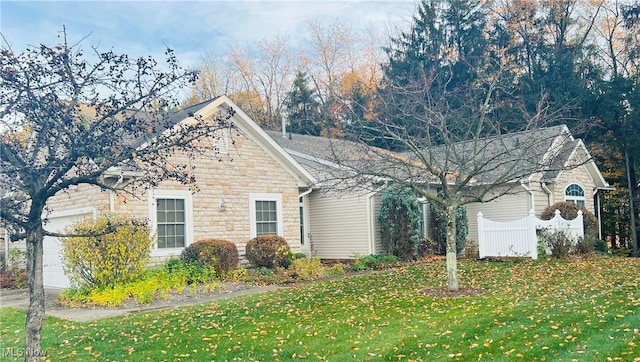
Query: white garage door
x=53, y=273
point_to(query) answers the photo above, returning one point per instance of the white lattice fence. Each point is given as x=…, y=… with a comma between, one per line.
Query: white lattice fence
x=518, y=238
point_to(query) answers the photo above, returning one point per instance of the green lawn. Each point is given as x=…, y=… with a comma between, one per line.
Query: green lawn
x=586, y=310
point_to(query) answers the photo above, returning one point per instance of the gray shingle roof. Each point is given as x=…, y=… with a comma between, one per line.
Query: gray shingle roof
x=514, y=155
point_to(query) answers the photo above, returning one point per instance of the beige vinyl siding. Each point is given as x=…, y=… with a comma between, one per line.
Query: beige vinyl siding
x=505, y=208
x=339, y=226
x=542, y=199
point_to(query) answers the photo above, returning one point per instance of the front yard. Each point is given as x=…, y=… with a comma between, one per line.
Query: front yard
x=585, y=310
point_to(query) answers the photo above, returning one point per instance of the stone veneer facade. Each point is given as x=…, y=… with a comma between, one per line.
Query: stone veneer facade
x=249, y=169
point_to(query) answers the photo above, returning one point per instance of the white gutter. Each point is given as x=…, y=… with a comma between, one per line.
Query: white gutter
x=531, y=194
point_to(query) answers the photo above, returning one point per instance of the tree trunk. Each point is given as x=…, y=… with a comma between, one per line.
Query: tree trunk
x=35, y=313
x=632, y=182
x=452, y=258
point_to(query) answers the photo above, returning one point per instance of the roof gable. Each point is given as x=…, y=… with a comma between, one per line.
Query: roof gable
x=571, y=151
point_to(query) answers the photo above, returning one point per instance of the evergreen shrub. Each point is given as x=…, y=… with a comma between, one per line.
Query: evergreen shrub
x=399, y=220
x=268, y=251
x=221, y=254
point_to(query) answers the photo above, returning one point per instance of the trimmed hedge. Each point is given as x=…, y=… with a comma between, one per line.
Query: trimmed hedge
x=221, y=254
x=268, y=251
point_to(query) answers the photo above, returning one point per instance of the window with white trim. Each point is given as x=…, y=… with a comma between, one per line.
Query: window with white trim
x=574, y=193
x=266, y=217
x=170, y=212
x=265, y=214
x=171, y=223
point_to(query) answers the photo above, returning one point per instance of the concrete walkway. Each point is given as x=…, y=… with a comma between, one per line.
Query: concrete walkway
x=20, y=299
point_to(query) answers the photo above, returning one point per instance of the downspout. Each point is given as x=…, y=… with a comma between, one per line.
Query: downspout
x=371, y=224
x=371, y=220
x=305, y=219
x=548, y=192
x=306, y=192
x=531, y=196
x=597, y=196
x=112, y=195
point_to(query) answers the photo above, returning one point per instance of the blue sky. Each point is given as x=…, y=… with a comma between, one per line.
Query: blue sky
x=191, y=28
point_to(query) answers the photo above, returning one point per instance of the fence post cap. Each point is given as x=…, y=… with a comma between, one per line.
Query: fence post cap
x=579, y=212
x=480, y=213
x=557, y=212
x=532, y=212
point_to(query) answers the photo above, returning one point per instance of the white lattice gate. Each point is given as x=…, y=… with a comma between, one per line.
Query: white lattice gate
x=518, y=238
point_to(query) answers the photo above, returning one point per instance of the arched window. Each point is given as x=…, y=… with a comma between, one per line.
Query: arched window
x=574, y=193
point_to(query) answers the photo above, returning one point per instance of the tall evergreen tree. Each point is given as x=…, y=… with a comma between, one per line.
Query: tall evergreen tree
x=550, y=46
x=303, y=108
x=443, y=56
x=616, y=109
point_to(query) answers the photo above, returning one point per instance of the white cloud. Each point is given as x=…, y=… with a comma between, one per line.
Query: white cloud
x=191, y=28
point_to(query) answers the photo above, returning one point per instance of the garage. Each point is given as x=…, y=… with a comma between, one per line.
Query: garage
x=52, y=270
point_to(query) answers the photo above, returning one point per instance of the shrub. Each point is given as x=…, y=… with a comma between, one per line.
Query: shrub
x=221, y=254
x=621, y=251
x=399, y=220
x=307, y=269
x=601, y=246
x=238, y=275
x=427, y=246
x=264, y=271
x=559, y=242
x=336, y=269
x=440, y=227
x=190, y=273
x=268, y=251
x=374, y=262
x=13, y=274
x=13, y=277
x=471, y=250
x=569, y=211
x=156, y=283
x=117, y=252
x=584, y=246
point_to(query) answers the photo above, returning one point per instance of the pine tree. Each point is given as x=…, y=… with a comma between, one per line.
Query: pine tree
x=303, y=108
